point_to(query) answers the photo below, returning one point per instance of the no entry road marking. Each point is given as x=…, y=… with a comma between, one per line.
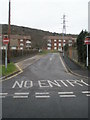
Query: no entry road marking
x=49, y=83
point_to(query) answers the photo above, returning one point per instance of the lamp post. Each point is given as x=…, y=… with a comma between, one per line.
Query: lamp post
x=9, y=31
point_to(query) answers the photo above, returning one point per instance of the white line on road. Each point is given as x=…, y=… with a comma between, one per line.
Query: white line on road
x=64, y=83
x=67, y=95
x=88, y=95
x=21, y=93
x=70, y=83
x=20, y=96
x=2, y=96
x=42, y=96
x=85, y=92
x=3, y=93
x=63, y=64
x=65, y=92
x=37, y=93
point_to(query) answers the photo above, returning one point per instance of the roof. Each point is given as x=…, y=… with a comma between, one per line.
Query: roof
x=20, y=37
x=59, y=37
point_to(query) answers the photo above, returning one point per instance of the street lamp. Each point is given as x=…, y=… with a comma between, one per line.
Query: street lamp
x=9, y=31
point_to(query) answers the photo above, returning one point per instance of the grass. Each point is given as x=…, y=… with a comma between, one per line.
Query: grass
x=47, y=51
x=11, y=68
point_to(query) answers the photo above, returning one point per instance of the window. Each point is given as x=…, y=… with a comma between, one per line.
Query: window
x=70, y=44
x=70, y=41
x=59, y=44
x=49, y=48
x=13, y=48
x=48, y=44
x=21, y=48
x=55, y=48
x=64, y=40
x=59, y=40
x=21, y=40
x=55, y=44
x=28, y=42
x=64, y=44
x=21, y=44
x=49, y=40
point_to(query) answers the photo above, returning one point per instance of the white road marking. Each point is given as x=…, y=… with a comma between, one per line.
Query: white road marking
x=21, y=93
x=86, y=92
x=20, y=96
x=67, y=95
x=20, y=85
x=51, y=83
x=42, y=96
x=85, y=83
x=64, y=83
x=3, y=93
x=2, y=96
x=65, y=92
x=63, y=64
x=70, y=83
x=41, y=93
x=88, y=95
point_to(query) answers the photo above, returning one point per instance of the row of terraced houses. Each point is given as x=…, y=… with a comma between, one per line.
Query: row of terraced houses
x=19, y=42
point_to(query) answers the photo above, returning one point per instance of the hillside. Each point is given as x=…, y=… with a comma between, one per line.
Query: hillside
x=36, y=34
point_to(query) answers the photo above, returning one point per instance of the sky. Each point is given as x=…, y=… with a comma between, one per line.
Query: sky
x=47, y=14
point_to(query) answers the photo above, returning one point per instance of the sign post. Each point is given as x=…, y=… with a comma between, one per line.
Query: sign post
x=5, y=41
x=87, y=42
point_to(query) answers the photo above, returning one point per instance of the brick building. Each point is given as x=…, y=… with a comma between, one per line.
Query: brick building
x=19, y=42
x=57, y=42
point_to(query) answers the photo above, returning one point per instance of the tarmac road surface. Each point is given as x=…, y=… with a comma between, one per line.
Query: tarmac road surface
x=45, y=89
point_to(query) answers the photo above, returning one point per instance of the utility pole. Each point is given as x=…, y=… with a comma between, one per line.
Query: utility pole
x=64, y=30
x=9, y=31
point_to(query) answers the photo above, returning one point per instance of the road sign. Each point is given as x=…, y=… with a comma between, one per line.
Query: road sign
x=5, y=40
x=87, y=40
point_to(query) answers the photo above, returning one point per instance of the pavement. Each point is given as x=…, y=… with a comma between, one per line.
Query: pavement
x=45, y=89
x=75, y=68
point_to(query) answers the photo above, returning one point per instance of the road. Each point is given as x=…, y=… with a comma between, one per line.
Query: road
x=45, y=89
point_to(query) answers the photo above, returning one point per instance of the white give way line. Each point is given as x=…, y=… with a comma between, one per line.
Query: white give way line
x=25, y=95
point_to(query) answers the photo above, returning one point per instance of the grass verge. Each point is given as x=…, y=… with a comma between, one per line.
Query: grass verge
x=11, y=68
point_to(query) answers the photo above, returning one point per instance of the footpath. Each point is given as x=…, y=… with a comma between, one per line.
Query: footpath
x=21, y=65
x=25, y=63
x=74, y=68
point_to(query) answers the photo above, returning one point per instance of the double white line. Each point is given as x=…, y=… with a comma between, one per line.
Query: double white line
x=66, y=94
x=3, y=95
x=42, y=95
x=87, y=93
x=20, y=95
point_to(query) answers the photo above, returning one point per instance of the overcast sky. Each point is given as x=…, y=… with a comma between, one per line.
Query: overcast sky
x=47, y=14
